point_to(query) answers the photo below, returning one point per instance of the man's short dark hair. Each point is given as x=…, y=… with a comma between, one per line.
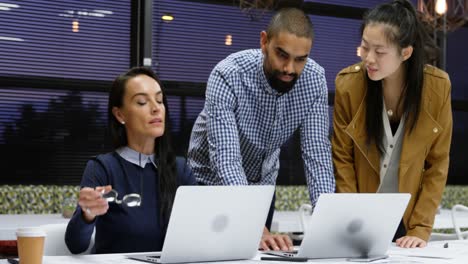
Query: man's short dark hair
x=291, y=20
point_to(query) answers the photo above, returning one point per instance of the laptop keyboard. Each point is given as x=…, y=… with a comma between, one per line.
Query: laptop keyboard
x=281, y=253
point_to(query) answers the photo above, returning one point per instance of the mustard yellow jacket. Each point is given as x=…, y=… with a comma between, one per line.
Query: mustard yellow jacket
x=425, y=152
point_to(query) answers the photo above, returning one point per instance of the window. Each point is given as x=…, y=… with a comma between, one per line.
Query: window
x=188, y=47
x=46, y=135
x=65, y=39
x=56, y=60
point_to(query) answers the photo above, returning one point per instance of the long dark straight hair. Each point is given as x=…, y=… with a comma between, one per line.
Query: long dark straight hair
x=165, y=156
x=404, y=29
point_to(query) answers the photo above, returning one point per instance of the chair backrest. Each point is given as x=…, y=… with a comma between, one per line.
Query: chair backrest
x=435, y=236
x=456, y=208
x=55, y=241
x=305, y=211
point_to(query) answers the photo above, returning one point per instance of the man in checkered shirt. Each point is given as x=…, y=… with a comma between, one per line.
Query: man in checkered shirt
x=255, y=100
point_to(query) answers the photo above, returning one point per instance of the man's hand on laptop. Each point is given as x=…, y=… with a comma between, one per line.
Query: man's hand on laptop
x=275, y=242
x=410, y=242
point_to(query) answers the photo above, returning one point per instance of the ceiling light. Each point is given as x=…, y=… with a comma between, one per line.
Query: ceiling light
x=75, y=26
x=167, y=17
x=96, y=14
x=11, y=39
x=106, y=12
x=441, y=7
x=228, y=40
x=9, y=5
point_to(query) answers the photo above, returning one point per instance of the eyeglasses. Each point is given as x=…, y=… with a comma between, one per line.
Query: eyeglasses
x=130, y=200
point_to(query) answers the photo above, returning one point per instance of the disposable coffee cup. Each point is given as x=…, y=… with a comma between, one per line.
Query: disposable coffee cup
x=30, y=245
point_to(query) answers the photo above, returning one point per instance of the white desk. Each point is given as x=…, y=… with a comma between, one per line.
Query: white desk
x=9, y=223
x=456, y=254
x=289, y=221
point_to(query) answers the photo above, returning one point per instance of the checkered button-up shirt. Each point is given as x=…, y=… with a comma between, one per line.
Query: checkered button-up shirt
x=237, y=137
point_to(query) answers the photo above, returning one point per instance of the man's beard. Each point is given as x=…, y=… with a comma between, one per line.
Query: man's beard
x=279, y=85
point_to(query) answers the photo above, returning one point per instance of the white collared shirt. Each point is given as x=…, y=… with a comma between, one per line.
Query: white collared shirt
x=135, y=157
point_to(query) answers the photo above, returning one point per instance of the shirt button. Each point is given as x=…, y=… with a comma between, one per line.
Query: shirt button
x=357, y=68
x=385, y=165
x=391, y=146
x=435, y=130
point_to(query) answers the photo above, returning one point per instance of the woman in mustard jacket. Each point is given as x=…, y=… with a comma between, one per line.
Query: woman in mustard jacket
x=393, y=119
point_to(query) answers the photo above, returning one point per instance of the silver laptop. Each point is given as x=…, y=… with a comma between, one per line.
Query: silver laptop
x=211, y=223
x=352, y=225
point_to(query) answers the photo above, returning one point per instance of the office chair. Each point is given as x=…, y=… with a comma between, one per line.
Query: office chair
x=55, y=241
x=460, y=234
x=305, y=211
x=442, y=236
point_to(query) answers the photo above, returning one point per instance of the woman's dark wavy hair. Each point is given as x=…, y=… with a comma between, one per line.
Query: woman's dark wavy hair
x=165, y=156
x=403, y=28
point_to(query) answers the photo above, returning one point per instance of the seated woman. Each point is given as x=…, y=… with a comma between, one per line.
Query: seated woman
x=143, y=167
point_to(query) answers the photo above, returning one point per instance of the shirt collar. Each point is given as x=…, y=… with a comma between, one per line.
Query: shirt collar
x=135, y=157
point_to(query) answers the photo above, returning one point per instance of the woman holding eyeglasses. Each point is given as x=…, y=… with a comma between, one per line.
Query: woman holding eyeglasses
x=393, y=119
x=127, y=195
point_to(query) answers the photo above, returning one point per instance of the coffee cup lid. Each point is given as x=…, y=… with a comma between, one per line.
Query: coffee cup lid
x=30, y=232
